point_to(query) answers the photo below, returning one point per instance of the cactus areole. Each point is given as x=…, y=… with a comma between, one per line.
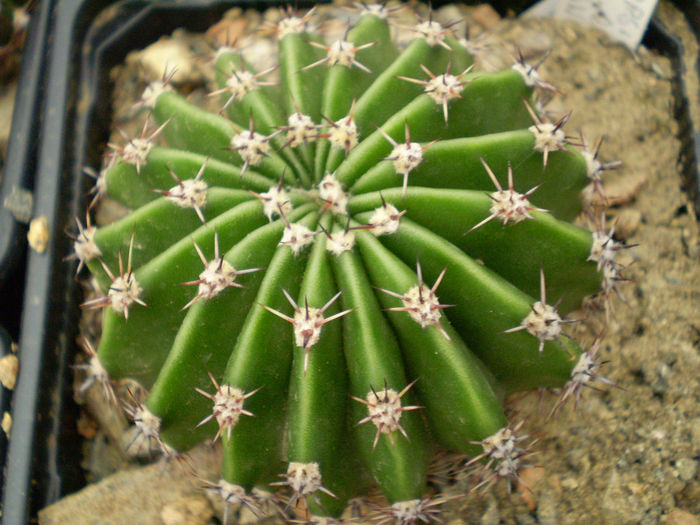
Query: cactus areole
x=367, y=248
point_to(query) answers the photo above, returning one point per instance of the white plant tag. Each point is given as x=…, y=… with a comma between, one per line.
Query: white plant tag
x=624, y=20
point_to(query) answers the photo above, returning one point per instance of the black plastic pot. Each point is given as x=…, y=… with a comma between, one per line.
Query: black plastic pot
x=61, y=125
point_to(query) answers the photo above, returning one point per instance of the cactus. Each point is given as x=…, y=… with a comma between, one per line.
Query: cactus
x=367, y=250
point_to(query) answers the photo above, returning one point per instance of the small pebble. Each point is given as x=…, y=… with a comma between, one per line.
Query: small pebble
x=534, y=44
x=686, y=468
x=9, y=365
x=529, y=477
x=227, y=31
x=681, y=517
x=691, y=242
x=167, y=55
x=6, y=424
x=20, y=203
x=191, y=510
x=627, y=223
x=636, y=488
x=491, y=516
x=525, y=519
x=485, y=15
x=569, y=483
x=450, y=15
x=547, y=509
x=38, y=234
x=620, y=190
x=695, y=434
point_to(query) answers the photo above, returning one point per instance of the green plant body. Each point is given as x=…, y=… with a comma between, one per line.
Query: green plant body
x=367, y=249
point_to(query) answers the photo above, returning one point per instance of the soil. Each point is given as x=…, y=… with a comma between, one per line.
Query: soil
x=628, y=453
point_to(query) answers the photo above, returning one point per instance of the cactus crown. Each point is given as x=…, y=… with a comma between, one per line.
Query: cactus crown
x=407, y=215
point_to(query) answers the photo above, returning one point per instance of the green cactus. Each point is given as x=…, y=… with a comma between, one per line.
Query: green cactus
x=368, y=258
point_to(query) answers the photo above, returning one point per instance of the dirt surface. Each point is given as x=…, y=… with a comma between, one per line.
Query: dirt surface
x=629, y=453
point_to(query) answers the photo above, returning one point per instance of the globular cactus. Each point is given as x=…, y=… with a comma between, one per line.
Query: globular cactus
x=368, y=248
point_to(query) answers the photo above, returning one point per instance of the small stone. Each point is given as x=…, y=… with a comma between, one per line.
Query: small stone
x=485, y=15
x=110, y=211
x=168, y=55
x=192, y=510
x=547, y=509
x=690, y=242
x=86, y=427
x=6, y=424
x=9, y=365
x=635, y=452
x=620, y=190
x=534, y=44
x=452, y=16
x=695, y=434
x=135, y=445
x=651, y=516
x=636, y=488
x=525, y=519
x=529, y=477
x=569, y=483
x=20, y=203
x=594, y=73
x=492, y=516
x=227, y=31
x=681, y=517
x=658, y=434
x=579, y=460
x=686, y=468
x=617, y=506
x=38, y=235
x=627, y=223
